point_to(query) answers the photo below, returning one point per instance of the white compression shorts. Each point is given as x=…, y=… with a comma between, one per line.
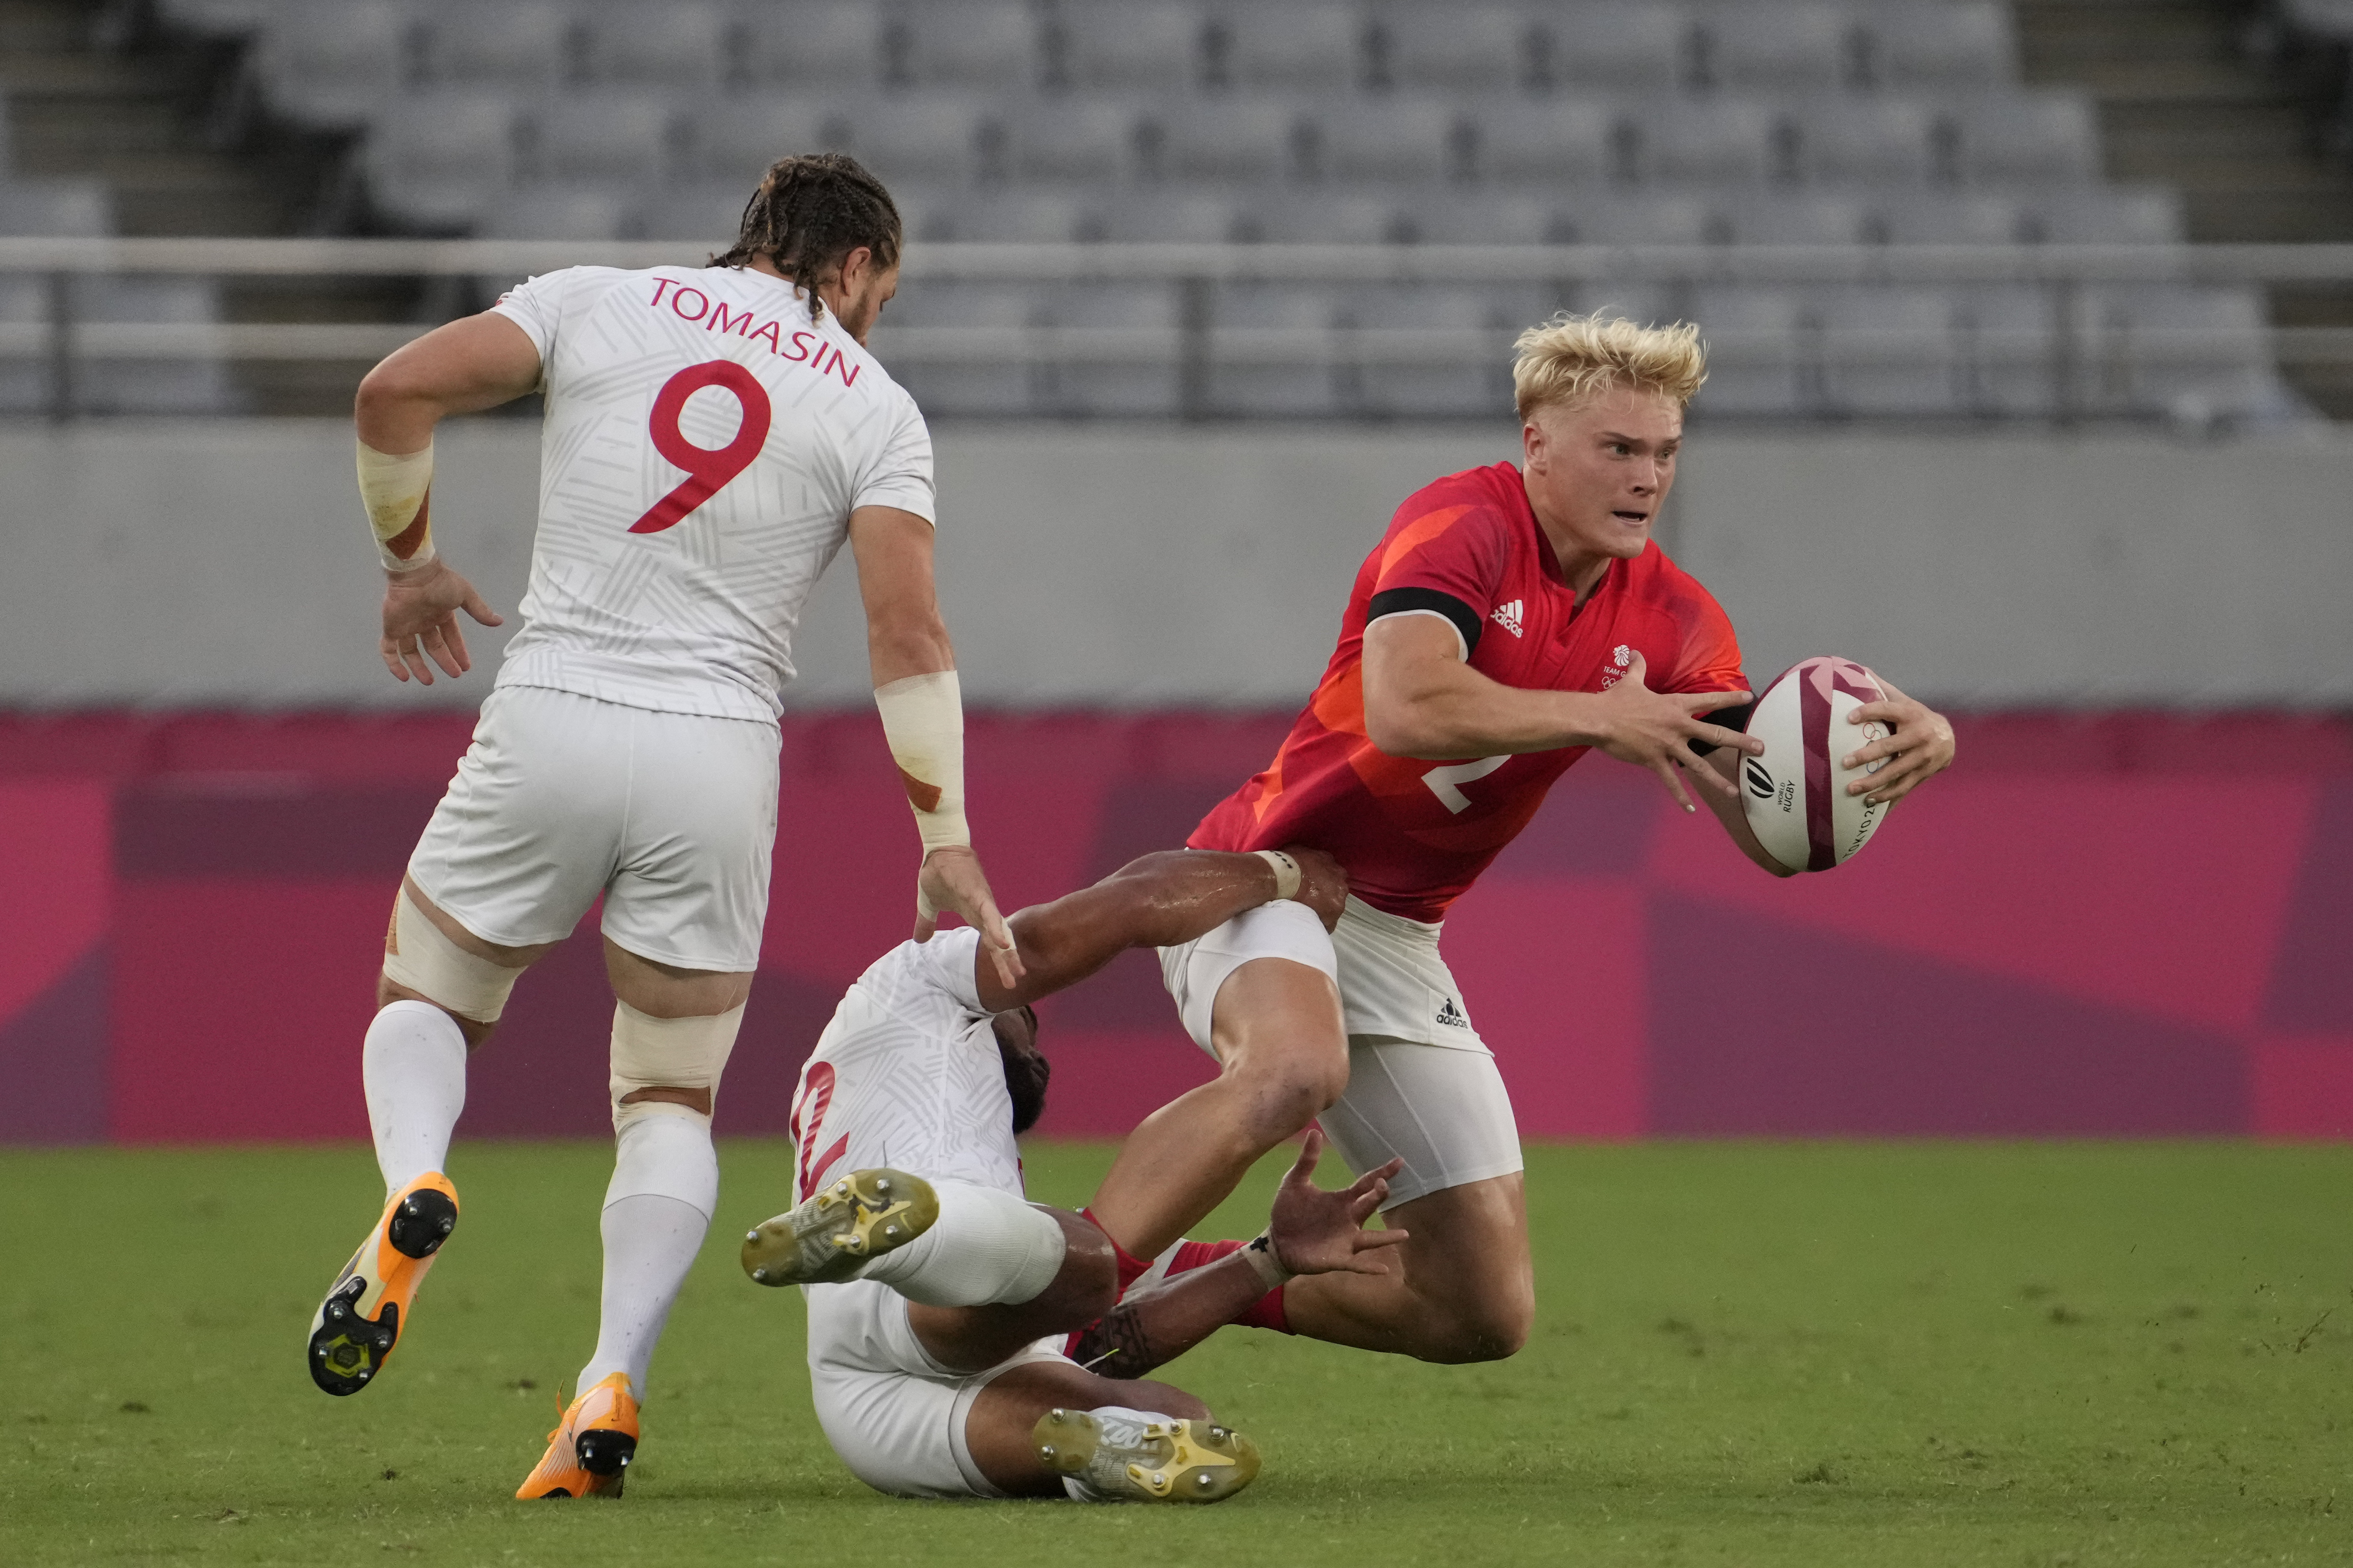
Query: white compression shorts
x=895, y=1416
x=1195, y=971
x=672, y=817
x=1423, y=1086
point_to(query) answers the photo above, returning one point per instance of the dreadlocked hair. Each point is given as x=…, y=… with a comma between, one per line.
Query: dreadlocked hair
x=811, y=212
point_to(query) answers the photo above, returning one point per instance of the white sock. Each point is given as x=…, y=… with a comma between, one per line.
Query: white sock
x=414, y=1067
x=986, y=1247
x=650, y=1244
x=665, y=1186
x=666, y=1150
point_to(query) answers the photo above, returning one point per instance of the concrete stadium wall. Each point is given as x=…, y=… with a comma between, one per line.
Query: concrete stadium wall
x=215, y=564
x=2122, y=926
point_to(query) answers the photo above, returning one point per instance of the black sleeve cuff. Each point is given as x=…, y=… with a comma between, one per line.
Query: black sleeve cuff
x=1401, y=601
x=1726, y=718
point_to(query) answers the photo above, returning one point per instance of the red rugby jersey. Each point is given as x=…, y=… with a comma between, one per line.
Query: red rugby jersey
x=1414, y=835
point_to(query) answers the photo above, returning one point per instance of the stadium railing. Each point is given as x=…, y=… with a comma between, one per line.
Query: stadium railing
x=2067, y=349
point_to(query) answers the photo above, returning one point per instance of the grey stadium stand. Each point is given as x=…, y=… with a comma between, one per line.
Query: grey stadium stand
x=116, y=311
x=1723, y=123
x=109, y=314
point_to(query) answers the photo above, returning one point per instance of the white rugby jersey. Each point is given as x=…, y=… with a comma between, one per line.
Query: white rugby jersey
x=706, y=441
x=908, y=1075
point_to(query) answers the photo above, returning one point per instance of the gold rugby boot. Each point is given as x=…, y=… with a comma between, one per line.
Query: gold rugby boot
x=849, y=1222
x=1115, y=1458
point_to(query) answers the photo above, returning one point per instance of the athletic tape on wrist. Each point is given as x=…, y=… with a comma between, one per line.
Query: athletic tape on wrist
x=398, y=494
x=923, y=720
x=1286, y=872
x=1269, y=1268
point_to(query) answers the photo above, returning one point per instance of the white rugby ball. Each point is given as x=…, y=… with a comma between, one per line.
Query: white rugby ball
x=1796, y=792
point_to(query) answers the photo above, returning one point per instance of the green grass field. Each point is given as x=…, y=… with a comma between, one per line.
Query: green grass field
x=1803, y=1354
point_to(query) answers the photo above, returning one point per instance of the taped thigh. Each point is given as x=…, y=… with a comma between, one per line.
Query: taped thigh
x=651, y=1055
x=419, y=957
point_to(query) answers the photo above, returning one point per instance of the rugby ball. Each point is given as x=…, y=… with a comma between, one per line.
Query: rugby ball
x=1795, y=792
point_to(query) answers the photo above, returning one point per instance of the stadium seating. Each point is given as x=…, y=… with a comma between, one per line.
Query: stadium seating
x=116, y=380
x=66, y=207
x=2333, y=18
x=119, y=380
x=1365, y=121
x=338, y=63
x=692, y=48
x=444, y=159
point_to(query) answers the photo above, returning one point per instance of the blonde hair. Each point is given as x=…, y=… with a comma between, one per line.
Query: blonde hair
x=1571, y=360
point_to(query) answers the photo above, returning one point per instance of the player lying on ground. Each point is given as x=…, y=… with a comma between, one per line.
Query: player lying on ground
x=938, y=1298
x=714, y=436
x=1508, y=623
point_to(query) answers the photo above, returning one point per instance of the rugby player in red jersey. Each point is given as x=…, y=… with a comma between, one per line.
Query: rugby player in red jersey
x=1508, y=622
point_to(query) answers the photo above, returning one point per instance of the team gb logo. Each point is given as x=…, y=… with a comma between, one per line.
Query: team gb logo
x=1624, y=656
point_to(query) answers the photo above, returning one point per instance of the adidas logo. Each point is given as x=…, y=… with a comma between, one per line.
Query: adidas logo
x=1449, y=1015
x=1508, y=617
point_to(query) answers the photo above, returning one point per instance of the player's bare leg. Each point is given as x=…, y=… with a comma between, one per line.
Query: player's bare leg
x=1283, y=1052
x=1038, y=1426
x=1105, y=1437
x=672, y=1029
x=1047, y=1427
x=1466, y=1290
x=985, y=1277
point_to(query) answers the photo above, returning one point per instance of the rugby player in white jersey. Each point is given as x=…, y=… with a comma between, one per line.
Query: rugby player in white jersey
x=939, y=1299
x=714, y=434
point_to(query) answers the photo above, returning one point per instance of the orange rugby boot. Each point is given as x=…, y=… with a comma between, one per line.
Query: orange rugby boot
x=367, y=1307
x=588, y=1453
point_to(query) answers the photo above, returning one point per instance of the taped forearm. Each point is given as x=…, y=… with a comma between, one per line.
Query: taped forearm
x=398, y=494
x=923, y=720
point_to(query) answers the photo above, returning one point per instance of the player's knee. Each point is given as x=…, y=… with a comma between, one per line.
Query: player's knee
x=1483, y=1327
x=1288, y=1092
x=420, y=962
x=661, y=1066
x=1496, y=1336
x=1312, y=1086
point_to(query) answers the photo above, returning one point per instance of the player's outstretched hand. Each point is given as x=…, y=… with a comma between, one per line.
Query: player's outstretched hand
x=952, y=879
x=1918, y=744
x=1322, y=885
x=1654, y=729
x=420, y=622
x=1316, y=1232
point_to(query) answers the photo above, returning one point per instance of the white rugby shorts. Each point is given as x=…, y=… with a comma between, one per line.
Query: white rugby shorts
x=895, y=1416
x=672, y=817
x=1422, y=1085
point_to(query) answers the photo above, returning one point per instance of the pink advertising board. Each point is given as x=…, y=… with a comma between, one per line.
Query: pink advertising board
x=2122, y=925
